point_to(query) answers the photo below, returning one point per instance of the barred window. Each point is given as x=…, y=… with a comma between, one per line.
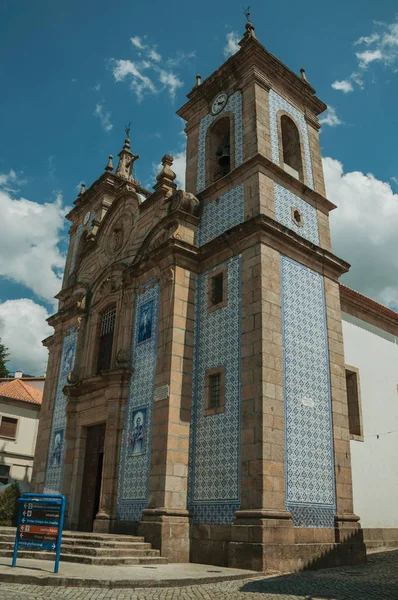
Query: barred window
x=214, y=390
x=4, y=474
x=106, y=339
x=8, y=427
x=214, y=400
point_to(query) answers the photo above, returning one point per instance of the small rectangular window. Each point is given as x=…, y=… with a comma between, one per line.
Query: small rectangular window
x=214, y=391
x=4, y=474
x=8, y=427
x=217, y=289
x=217, y=285
x=106, y=339
x=354, y=402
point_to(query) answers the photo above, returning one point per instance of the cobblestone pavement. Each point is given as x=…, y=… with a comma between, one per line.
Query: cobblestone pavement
x=378, y=580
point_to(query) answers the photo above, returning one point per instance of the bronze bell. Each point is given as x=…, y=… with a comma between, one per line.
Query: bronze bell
x=224, y=154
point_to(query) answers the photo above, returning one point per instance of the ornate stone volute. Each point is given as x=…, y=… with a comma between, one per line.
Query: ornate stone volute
x=185, y=202
x=165, y=179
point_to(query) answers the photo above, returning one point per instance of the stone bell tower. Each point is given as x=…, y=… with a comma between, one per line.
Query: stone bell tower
x=270, y=478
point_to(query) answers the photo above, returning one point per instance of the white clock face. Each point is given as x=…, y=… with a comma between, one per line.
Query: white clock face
x=86, y=218
x=219, y=103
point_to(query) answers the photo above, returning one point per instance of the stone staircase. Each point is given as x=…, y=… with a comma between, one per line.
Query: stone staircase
x=90, y=549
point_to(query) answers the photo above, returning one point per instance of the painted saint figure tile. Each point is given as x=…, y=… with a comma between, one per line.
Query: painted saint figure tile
x=56, y=453
x=137, y=438
x=145, y=322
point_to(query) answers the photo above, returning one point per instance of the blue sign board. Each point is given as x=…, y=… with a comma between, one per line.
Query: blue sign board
x=40, y=524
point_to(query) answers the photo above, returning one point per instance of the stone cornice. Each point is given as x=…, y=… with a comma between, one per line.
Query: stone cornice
x=366, y=309
x=267, y=167
x=239, y=65
x=89, y=385
x=286, y=241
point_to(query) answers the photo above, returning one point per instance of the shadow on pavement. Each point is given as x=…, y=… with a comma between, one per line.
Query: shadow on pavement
x=376, y=580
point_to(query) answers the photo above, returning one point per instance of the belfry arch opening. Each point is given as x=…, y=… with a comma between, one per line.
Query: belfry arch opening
x=291, y=148
x=219, y=151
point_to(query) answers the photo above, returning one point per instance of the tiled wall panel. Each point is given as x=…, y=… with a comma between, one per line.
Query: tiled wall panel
x=214, y=475
x=309, y=457
x=56, y=455
x=284, y=202
x=221, y=215
x=277, y=103
x=135, y=454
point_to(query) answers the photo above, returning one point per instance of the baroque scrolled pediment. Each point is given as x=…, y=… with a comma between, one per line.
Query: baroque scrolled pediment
x=109, y=284
x=159, y=235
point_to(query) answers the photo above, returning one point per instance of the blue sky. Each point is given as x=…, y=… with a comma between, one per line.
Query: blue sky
x=74, y=73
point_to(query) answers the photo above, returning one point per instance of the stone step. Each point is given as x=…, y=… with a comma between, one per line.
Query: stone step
x=103, y=537
x=90, y=549
x=108, y=546
x=89, y=560
x=139, y=550
x=9, y=533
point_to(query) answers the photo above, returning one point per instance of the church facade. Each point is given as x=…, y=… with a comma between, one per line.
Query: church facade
x=196, y=390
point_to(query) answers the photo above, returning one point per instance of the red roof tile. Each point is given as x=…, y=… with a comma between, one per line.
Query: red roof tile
x=20, y=390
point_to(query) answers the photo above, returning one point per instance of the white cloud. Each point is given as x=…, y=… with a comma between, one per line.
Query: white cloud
x=137, y=42
x=344, y=86
x=139, y=83
x=180, y=58
x=153, y=55
x=330, y=118
x=232, y=45
x=178, y=167
x=170, y=81
x=368, y=56
x=22, y=328
x=29, y=252
x=364, y=227
x=381, y=47
x=97, y=87
x=367, y=39
x=159, y=76
x=104, y=116
x=7, y=178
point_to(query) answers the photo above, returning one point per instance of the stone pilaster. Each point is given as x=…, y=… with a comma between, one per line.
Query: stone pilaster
x=116, y=396
x=54, y=345
x=165, y=523
x=263, y=519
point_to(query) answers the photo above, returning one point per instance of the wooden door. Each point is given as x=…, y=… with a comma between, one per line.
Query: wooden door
x=92, y=477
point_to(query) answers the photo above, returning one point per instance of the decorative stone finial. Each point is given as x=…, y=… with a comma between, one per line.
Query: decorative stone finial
x=165, y=179
x=303, y=75
x=249, y=27
x=82, y=189
x=198, y=80
x=109, y=166
x=126, y=159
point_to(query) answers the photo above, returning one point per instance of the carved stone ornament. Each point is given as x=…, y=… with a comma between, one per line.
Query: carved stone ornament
x=167, y=276
x=117, y=237
x=123, y=358
x=109, y=286
x=186, y=202
x=72, y=378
